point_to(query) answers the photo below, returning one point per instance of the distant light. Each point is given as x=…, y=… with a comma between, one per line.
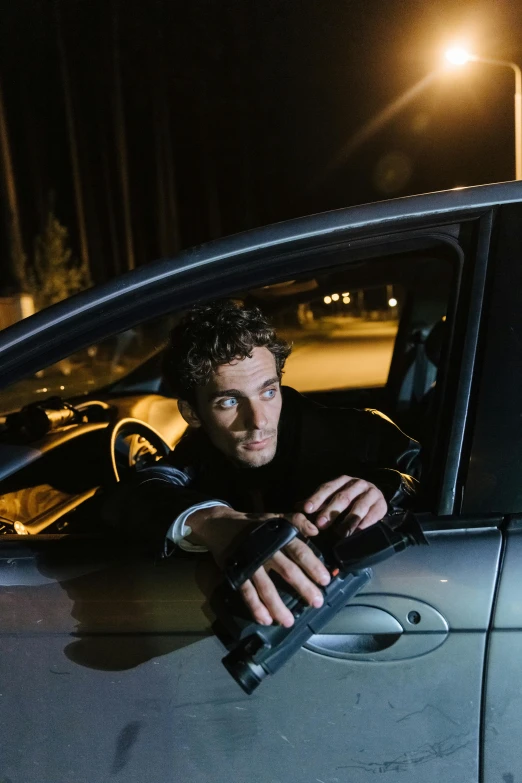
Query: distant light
x=346, y=300
x=392, y=302
x=62, y=387
x=41, y=391
x=20, y=529
x=327, y=300
x=346, y=294
x=458, y=56
x=335, y=297
x=443, y=580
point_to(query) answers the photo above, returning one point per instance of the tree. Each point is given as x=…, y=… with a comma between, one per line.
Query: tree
x=73, y=143
x=54, y=274
x=121, y=141
x=16, y=259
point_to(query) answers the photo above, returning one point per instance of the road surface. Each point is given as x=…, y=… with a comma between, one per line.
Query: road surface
x=342, y=360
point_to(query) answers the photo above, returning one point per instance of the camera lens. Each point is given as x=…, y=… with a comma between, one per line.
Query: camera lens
x=244, y=671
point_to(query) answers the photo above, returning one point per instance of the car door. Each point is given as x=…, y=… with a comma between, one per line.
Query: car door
x=110, y=665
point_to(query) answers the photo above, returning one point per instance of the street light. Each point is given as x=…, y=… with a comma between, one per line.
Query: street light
x=459, y=56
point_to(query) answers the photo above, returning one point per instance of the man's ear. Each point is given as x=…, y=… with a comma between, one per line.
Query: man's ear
x=189, y=414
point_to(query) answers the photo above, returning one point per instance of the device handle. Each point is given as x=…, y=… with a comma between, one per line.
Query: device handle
x=258, y=546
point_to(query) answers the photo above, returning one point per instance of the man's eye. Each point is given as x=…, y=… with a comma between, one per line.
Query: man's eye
x=228, y=403
x=269, y=394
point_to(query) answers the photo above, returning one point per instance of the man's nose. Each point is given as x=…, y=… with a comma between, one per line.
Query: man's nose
x=255, y=416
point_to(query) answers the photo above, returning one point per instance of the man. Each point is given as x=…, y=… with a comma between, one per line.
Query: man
x=254, y=450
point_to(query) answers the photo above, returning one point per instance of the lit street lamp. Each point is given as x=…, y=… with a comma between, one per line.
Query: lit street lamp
x=458, y=56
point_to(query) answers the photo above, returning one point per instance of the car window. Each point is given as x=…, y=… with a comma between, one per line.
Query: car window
x=344, y=329
x=369, y=335
x=340, y=340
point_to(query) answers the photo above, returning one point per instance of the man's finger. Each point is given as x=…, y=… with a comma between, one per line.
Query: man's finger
x=298, y=566
x=372, y=499
x=375, y=514
x=303, y=524
x=361, y=506
x=267, y=592
x=258, y=610
x=364, y=517
x=341, y=501
x=322, y=493
x=370, y=519
x=297, y=578
x=308, y=561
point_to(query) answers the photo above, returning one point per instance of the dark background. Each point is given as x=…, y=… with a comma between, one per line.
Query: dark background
x=224, y=115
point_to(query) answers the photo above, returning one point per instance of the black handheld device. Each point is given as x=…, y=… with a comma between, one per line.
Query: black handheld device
x=258, y=650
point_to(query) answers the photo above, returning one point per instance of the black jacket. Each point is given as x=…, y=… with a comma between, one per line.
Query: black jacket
x=315, y=444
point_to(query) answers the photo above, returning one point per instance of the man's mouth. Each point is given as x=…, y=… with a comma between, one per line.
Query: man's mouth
x=257, y=445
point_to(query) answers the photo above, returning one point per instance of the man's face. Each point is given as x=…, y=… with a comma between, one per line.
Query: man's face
x=239, y=409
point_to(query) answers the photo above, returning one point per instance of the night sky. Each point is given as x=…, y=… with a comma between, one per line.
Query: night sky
x=240, y=113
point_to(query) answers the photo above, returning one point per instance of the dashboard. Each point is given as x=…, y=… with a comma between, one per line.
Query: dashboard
x=55, y=481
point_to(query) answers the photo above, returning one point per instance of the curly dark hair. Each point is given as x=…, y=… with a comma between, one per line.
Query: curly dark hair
x=212, y=334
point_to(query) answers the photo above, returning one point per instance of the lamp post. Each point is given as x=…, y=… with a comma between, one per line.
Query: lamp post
x=458, y=56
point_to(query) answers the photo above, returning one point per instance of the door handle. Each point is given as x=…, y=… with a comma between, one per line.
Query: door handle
x=357, y=630
x=399, y=628
x=364, y=620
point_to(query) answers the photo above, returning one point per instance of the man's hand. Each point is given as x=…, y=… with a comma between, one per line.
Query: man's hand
x=352, y=502
x=217, y=528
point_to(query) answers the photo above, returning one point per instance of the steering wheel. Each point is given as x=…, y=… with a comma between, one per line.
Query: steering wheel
x=146, y=444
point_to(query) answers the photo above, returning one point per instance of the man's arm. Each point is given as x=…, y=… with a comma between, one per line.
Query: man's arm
x=146, y=506
x=390, y=459
x=180, y=531
x=160, y=502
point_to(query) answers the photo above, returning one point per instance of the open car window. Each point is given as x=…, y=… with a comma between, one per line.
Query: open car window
x=320, y=361
x=370, y=334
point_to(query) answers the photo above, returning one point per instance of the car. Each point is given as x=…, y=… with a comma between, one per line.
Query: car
x=111, y=667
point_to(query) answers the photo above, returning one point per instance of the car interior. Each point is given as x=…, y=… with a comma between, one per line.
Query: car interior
x=72, y=431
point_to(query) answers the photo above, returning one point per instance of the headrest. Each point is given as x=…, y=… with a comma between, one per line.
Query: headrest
x=435, y=341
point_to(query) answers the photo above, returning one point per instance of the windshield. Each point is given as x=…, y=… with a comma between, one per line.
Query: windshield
x=91, y=369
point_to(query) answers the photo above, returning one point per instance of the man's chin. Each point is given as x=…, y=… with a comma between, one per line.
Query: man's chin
x=255, y=458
